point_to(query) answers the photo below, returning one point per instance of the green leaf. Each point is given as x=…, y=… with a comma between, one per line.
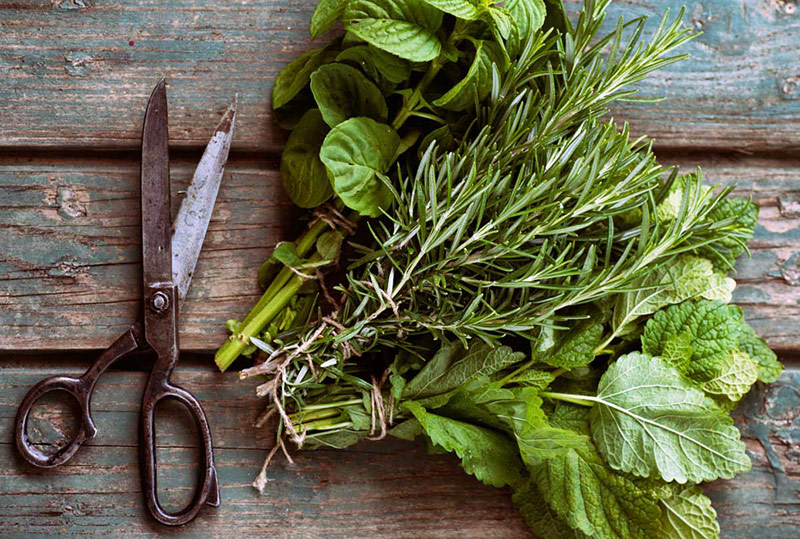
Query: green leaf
x=534, y=378
x=407, y=430
x=337, y=439
x=295, y=76
x=476, y=84
x=286, y=253
x=395, y=69
x=713, y=329
x=380, y=67
x=528, y=15
x=406, y=28
x=501, y=21
x=542, y=521
x=453, y=367
x=575, y=347
x=648, y=420
x=541, y=442
x=326, y=14
x=329, y=244
x=687, y=277
x=688, y=514
x=734, y=377
x=467, y=10
x=343, y=92
x=357, y=153
x=677, y=351
x=303, y=176
x=591, y=498
x=485, y=403
x=725, y=250
x=769, y=368
x=485, y=453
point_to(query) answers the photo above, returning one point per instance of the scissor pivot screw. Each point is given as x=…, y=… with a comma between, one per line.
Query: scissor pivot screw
x=159, y=302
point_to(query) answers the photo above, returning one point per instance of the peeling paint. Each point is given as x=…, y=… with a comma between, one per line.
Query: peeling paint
x=790, y=270
x=70, y=5
x=69, y=203
x=78, y=64
x=789, y=206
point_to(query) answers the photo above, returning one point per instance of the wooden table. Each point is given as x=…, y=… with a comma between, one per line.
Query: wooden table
x=74, y=80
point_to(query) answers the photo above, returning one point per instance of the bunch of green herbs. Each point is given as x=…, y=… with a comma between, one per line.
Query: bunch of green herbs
x=538, y=295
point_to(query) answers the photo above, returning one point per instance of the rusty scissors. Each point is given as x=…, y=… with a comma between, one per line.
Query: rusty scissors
x=169, y=255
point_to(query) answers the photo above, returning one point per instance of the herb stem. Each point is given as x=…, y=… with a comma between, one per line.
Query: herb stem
x=582, y=400
x=304, y=416
x=327, y=424
x=337, y=404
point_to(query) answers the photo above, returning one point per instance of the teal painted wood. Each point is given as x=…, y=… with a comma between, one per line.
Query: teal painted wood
x=69, y=248
x=76, y=73
x=383, y=489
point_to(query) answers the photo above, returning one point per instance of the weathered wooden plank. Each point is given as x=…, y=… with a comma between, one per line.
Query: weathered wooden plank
x=69, y=248
x=76, y=73
x=384, y=489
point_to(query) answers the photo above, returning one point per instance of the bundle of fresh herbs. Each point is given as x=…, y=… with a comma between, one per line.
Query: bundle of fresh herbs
x=531, y=290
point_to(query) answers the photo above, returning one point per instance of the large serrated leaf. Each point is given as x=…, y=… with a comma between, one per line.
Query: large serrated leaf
x=649, y=421
x=688, y=514
x=542, y=520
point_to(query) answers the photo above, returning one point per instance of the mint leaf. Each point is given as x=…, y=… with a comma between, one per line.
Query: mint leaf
x=453, y=367
x=468, y=10
x=575, y=347
x=326, y=14
x=712, y=327
x=734, y=377
x=769, y=368
x=688, y=277
x=343, y=92
x=688, y=514
x=728, y=247
x=303, y=176
x=485, y=453
x=539, y=442
x=295, y=76
x=591, y=498
x=648, y=420
x=542, y=520
x=534, y=378
x=477, y=83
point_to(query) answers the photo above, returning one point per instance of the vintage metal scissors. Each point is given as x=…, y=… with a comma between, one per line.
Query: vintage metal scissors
x=168, y=261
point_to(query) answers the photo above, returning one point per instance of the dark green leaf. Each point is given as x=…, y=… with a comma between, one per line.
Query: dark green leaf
x=343, y=92
x=575, y=347
x=769, y=368
x=329, y=244
x=468, y=10
x=476, y=84
x=286, y=253
x=326, y=14
x=541, y=520
x=406, y=28
x=303, y=176
x=357, y=153
x=295, y=76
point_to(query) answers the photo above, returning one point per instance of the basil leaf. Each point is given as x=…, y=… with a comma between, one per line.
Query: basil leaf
x=303, y=176
x=649, y=421
x=468, y=10
x=361, y=57
x=476, y=84
x=326, y=14
x=406, y=28
x=357, y=153
x=343, y=92
x=295, y=76
x=528, y=15
x=391, y=66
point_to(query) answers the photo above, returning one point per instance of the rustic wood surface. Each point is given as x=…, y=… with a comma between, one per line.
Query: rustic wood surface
x=77, y=73
x=74, y=80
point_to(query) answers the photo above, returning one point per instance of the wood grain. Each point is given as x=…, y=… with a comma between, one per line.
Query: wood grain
x=69, y=248
x=77, y=73
x=381, y=489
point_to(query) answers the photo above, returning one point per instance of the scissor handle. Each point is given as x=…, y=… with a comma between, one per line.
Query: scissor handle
x=207, y=491
x=80, y=388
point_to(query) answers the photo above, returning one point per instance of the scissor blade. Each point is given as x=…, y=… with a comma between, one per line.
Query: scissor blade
x=156, y=229
x=196, y=209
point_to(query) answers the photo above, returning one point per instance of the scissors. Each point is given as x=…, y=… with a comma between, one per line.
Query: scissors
x=168, y=261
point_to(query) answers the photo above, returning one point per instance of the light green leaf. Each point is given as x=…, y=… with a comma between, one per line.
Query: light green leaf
x=407, y=430
x=540, y=442
x=769, y=368
x=485, y=453
x=677, y=351
x=467, y=10
x=575, y=347
x=357, y=153
x=713, y=329
x=744, y=214
x=329, y=244
x=453, y=367
x=733, y=380
x=343, y=92
x=501, y=21
x=485, y=403
x=688, y=514
x=591, y=498
x=406, y=28
x=534, y=378
x=648, y=420
x=303, y=176
x=295, y=76
x=326, y=14
x=528, y=15
x=542, y=521
x=688, y=277
x=476, y=84
x=286, y=253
